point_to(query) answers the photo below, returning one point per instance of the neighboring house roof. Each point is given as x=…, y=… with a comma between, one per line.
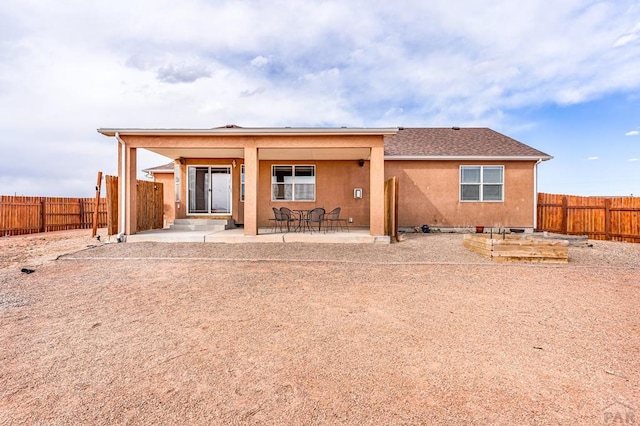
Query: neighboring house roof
x=165, y=168
x=456, y=143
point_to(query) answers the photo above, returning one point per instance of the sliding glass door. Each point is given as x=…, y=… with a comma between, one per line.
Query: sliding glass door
x=209, y=190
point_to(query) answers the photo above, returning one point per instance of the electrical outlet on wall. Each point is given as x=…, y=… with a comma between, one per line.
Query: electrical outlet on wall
x=350, y=219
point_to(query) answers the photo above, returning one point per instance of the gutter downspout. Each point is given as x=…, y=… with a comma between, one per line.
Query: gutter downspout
x=535, y=194
x=123, y=187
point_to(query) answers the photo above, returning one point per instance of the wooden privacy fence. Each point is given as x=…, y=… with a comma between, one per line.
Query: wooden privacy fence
x=391, y=208
x=28, y=215
x=111, y=185
x=150, y=205
x=599, y=218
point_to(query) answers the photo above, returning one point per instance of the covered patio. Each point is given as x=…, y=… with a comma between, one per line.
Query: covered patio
x=241, y=174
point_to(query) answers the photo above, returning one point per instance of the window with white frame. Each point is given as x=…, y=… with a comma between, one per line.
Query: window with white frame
x=481, y=183
x=293, y=183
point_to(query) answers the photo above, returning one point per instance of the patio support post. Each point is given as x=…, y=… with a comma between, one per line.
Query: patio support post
x=121, y=195
x=131, y=189
x=376, y=189
x=251, y=169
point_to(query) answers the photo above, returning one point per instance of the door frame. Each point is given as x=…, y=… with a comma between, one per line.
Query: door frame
x=229, y=169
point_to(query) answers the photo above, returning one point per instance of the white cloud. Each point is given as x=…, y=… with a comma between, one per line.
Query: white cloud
x=625, y=39
x=632, y=133
x=260, y=61
x=67, y=69
x=254, y=92
x=182, y=73
x=634, y=159
x=630, y=37
x=593, y=158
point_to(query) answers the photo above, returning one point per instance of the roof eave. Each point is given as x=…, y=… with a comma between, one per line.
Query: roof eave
x=256, y=131
x=468, y=157
x=158, y=171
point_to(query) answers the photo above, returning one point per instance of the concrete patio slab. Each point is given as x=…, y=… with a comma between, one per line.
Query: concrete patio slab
x=237, y=236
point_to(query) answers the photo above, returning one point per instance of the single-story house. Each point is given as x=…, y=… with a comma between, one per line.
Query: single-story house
x=448, y=177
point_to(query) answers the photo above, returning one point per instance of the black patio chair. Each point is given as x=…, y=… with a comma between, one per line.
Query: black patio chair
x=277, y=219
x=333, y=218
x=288, y=217
x=315, y=216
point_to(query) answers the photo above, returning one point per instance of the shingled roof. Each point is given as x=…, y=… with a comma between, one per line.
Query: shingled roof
x=165, y=168
x=457, y=142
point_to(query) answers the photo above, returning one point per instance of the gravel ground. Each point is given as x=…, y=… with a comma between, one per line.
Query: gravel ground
x=420, y=332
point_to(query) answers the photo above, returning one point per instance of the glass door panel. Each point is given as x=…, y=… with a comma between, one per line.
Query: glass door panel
x=198, y=189
x=209, y=190
x=221, y=190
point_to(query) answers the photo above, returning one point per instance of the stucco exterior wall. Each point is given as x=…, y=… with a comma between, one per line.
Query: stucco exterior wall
x=168, y=191
x=335, y=181
x=236, y=205
x=429, y=194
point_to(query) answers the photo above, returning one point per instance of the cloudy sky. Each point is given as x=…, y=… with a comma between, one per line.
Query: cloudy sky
x=563, y=77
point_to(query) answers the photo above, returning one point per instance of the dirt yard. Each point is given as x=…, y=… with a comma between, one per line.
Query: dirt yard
x=420, y=332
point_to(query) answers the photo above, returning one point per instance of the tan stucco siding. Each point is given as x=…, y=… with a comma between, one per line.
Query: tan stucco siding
x=335, y=181
x=287, y=142
x=168, y=191
x=429, y=194
x=181, y=206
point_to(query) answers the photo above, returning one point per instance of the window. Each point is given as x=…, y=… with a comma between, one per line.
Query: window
x=293, y=183
x=481, y=183
x=242, y=182
x=176, y=175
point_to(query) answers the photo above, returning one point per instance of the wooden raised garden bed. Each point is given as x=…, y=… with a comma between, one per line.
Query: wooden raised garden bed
x=518, y=248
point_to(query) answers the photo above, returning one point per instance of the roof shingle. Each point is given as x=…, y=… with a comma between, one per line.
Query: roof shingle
x=165, y=168
x=456, y=142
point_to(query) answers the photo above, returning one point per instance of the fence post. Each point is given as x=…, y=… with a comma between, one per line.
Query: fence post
x=80, y=213
x=607, y=218
x=111, y=183
x=538, y=214
x=96, y=205
x=565, y=215
x=43, y=215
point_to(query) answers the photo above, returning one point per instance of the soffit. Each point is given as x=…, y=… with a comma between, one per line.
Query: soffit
x=273, y=154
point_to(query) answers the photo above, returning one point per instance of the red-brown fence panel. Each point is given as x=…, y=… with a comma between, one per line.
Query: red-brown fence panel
x=111, y=184
x=150, y=205
x=20, y=215
x=599, y=218
x=27, y=215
